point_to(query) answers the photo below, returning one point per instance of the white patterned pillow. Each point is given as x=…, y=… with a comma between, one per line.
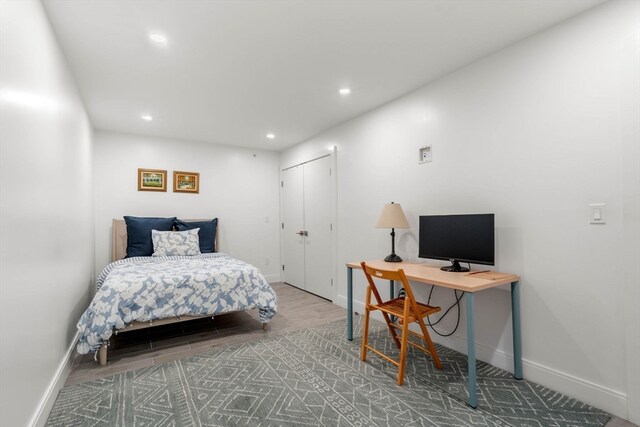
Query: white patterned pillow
x=170, y=243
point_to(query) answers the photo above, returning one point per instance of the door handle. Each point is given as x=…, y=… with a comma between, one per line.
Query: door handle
x=302, y=233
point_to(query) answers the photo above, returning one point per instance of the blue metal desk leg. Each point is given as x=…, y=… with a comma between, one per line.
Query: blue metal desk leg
x=350, y=303
x=471, y=352
x=517, y=339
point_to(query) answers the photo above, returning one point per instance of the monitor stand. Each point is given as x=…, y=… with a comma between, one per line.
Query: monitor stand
x=455, y=267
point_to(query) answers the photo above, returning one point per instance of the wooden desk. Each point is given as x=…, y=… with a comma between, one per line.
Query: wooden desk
x=470, y=284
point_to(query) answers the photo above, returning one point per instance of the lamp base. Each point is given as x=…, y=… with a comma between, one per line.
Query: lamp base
x=393, y=258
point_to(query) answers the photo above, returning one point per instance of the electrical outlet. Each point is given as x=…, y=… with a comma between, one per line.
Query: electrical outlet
x=426, y=155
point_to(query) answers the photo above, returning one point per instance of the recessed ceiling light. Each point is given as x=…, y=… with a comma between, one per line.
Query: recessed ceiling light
x=345, y=91
x=159, y=39
x=270, y=136
x=146, y=117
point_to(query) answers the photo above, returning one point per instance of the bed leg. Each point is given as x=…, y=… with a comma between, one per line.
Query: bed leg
x=265, y=326
x=103, y=354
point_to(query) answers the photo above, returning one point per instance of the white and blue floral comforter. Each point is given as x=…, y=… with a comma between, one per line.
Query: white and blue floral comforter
x=148, y=288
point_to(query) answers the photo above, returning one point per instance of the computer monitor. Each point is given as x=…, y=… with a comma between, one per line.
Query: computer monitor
x=457, y=238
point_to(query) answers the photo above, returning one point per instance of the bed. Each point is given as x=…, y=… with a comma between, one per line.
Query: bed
x=144, y=291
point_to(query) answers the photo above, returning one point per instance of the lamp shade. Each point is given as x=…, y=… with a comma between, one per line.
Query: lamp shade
x=392, y=216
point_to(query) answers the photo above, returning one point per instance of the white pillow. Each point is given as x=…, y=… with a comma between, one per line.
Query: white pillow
x=168, y=243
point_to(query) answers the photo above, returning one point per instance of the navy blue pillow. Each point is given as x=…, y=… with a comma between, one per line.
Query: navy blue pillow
x=207, y=233
x=139, y=241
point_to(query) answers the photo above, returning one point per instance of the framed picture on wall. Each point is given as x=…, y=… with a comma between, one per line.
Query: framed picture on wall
x=152, y=180
x=186, y=182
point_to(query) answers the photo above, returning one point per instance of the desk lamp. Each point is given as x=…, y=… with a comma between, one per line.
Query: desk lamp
x=392, y=217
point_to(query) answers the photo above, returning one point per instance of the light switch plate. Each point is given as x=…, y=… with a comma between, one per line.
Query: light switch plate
x=597, y=213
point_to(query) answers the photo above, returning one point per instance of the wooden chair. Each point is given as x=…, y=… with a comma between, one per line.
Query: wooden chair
x=406, y=309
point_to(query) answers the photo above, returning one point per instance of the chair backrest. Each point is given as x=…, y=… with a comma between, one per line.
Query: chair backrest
x=396, y=275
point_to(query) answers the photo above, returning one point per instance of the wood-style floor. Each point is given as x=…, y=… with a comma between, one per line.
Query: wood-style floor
x=297, y=309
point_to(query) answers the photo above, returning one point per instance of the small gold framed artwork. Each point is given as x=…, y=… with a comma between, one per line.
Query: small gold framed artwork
x=186, y=182
x=152, y=180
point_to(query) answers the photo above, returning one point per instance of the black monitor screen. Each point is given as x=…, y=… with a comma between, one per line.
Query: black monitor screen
x=460, y=238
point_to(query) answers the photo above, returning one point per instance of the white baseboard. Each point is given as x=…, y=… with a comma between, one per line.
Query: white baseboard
x=612, y=401
x=272, y=278
x=41, y=414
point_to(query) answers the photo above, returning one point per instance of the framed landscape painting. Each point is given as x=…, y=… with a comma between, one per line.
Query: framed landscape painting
x=186, y=182
x=152, y=180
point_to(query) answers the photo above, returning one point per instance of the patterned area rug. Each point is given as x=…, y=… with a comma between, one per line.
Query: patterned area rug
x=314, y=377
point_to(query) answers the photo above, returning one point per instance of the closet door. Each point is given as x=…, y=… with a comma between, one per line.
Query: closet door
x=293, y=227
x=318, y=227
x=307, y=231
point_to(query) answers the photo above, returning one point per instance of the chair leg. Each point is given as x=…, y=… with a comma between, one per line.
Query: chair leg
x=365, y=336
x=430, y=346
x=365, y=328
x=403, y=352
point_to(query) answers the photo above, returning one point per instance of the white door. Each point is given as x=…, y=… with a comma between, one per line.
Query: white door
x=292, y=226
x=307, y=228
x=318, y=227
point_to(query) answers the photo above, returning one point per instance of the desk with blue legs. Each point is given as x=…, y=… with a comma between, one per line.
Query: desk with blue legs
x=470, y=284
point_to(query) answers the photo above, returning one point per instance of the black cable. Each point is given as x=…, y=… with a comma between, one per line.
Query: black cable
x=401, y=294
x=455, y=304
x=449, y=309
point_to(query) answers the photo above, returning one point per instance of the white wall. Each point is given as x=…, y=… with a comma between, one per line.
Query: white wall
x=46, y=214
x=533, y=133
x=238, y=186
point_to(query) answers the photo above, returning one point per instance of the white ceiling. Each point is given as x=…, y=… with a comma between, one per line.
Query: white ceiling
x=234, y=71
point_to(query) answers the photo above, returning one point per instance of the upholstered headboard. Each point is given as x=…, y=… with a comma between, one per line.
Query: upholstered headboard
x=119, y=238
